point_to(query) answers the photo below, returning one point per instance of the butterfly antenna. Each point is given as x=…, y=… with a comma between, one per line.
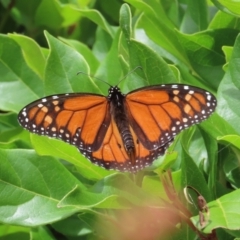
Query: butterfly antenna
x=133, y=70
x=89, y=75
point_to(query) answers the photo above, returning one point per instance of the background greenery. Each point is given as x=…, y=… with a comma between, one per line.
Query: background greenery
x=47, y=189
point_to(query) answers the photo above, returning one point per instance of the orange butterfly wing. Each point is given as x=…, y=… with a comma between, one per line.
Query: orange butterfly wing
x=158, y=113
x=113, y=155
x=79, y=119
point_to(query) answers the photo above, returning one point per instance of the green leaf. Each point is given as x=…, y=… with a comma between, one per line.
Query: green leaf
x=85, y=52
x=228, y=52
x=233, y=177
x=12, y=135
x=30, y=50
x=109, y=69
x=216, y=126
x=73, y=226
x=126, y=21
x=102, y=44
x=83, y=200
x=41, y=233
x=8, y=121
x=61, y=74
x=232, y=139
x=114, y=191
x=153, y=10
x=16, y=75
x=165, y=162
x=155, y=69
x=62, y=150
x=9, y=232
x=31, y=187
x=228, y=6
x=224, y=213
x=24, y=12
x=228, y=92
x=224, y=20
x=153, y=186
x=196, y=16
x=97, y=18
x=210, y=161
x=52, y=12
x=205, y=54
x=191, y=174
x=159, y=28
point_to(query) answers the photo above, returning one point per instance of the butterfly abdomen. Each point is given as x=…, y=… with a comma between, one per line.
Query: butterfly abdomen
x=124, y=131
x=119, y=115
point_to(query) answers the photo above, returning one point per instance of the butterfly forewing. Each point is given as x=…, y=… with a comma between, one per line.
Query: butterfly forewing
x=165, y=110
x=79, y=119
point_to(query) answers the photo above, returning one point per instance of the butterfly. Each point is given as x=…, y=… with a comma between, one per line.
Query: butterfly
x=125, y=132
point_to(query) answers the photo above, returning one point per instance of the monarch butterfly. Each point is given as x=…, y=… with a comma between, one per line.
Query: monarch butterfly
x=118, y=131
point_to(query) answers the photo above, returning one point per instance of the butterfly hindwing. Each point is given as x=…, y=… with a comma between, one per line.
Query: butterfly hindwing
x=113, y=155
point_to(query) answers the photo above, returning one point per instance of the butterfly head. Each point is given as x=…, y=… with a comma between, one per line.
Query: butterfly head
x=114, y=91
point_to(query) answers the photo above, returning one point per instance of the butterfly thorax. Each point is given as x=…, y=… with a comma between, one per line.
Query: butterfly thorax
x=118, y=112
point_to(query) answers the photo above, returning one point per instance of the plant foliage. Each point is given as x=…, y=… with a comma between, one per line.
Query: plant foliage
x=48, y=190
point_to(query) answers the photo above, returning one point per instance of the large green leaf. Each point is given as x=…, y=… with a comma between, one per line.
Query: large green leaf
x=205, y=54
x=61, y=74
x=85, y=51
x=31, y=188
x=196, y=16
x=191, y=174
x=30, y=50
x=228, y=6
x=97, y=18
x=57, y=148
x=158, y=27
x=228, y=92
x=224, y=20
x=223, y=213
x=16, y=75
x=114, y=191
